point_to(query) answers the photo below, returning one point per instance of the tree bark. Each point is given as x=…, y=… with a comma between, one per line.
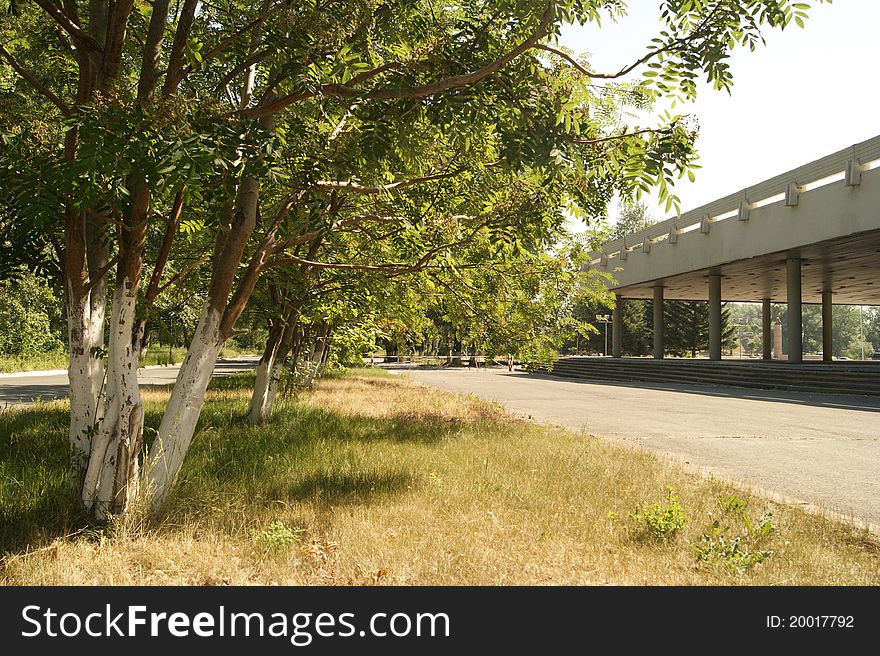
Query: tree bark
x=274, y=379
x=256, y=408
x=188, y=396
x=111, y=476
x=85, y=303
x=182, y=412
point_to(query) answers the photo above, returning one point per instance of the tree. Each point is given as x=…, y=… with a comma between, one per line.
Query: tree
x=29, y=316
x=637, y=335
x=632, y=217
x=872, y=327
x=686, y=327
x=228, y=113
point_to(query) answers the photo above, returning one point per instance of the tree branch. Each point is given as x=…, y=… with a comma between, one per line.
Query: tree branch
x=100, y=273
x=394, y=268
x=616, y=137
x=153, y=51
x=669, y=47
x=69, y=24
x=174, y=73
x=34, y=82
x=165, y=249
x=455, y=81
x=177, y=277
x=356, y=188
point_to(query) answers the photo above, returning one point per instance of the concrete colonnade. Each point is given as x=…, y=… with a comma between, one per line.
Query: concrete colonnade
x=794, y=323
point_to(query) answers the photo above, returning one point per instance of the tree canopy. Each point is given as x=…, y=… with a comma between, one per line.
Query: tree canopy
x=206, y=146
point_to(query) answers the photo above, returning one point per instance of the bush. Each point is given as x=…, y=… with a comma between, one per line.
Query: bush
x=276, y=538
x=660, y=521
x=30, y=317
x=733, y=540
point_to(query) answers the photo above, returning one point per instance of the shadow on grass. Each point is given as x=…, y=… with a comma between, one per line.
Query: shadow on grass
x=36, y=503
x=340, y=488
x=304, y=454
x=233, y=382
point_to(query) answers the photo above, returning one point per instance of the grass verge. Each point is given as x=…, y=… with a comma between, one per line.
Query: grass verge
x=155, y=355
x=371, y=479
x=43, y=361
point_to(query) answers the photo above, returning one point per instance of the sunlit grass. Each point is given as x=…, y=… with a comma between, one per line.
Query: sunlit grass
x=372, y=479
x=43, y=361
x=155, y=355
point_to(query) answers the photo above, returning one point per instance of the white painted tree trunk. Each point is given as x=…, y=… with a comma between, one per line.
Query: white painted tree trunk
x=182, y=412
x=85, y=333
x=261, y=387
x=274, y=384
x=269, y=373
x=257, y=407
x=112, y=474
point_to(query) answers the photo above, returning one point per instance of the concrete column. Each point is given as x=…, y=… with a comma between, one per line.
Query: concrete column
x=827, y=339
x=766, y=329
x=795, y=317
x=658, y=322
x=714, y=316
x=616, y=327
x=777, y=339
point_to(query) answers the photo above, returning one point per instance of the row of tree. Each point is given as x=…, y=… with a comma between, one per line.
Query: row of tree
x=296, y=157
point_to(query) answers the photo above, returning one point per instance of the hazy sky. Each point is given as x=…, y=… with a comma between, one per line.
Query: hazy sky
x=807, y=93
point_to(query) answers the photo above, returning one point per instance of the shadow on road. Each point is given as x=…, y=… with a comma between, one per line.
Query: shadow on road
x=30, y=393
x=817, y=399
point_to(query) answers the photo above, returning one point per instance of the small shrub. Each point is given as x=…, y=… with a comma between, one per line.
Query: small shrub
x=733, y=539
x=276, y=538
x=660, y=521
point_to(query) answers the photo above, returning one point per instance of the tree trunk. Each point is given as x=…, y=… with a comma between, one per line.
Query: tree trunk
x=256, y=408
x=111, y=477
x=85, y=300
x=325, y=352
x=278, y=368
x=141, y=338
x=215, y=325
x=472, y=360
x=320, y=344
x=86, y=374
x=182, y=412
x=455, y=360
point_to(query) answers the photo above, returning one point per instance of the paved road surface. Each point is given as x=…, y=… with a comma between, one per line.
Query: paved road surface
x=24, y=388
x=820, y=448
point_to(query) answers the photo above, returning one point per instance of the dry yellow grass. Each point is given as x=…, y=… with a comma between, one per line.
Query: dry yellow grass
x=369, y=480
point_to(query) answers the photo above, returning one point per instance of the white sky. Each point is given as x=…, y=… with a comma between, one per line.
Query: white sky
x=807, y=93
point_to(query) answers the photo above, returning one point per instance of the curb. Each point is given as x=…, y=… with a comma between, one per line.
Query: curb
x=59, y=372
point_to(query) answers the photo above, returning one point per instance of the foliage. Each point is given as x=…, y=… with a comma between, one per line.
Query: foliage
x=686, y=327
x=660, y=521
x=276, y=538
x=734, y=540
x=631, y=218
x=204, y=145
x=30, y=317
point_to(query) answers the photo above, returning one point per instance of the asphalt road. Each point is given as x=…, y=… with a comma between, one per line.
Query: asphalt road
x=45, y=386
x=817, y=449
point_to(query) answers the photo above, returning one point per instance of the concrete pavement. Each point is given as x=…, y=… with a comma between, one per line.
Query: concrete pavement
x=822, y=449
x=26, y=387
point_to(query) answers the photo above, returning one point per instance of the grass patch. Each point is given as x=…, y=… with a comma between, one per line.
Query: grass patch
x=41, y=362
x=370, y=478
x=155, y=355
